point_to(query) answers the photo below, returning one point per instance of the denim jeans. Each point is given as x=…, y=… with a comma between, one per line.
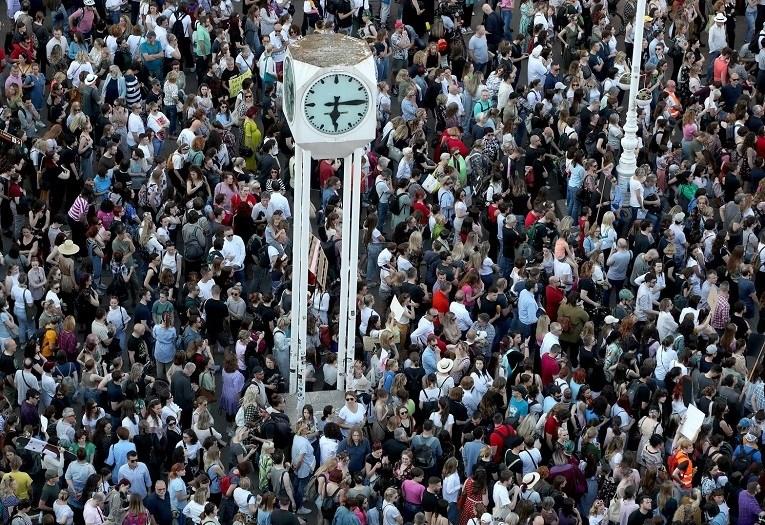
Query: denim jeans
x=97, y=263
x=384, y=13
x=171, y=112
x=26, y=326
x=383, y=69
x=507, y=23
x=382, y=215
x=300, y=486
x=157, y=146
x=573, y=205
x=751, y=20
x=373, y=271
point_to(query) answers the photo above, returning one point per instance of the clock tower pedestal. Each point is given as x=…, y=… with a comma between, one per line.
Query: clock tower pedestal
x=329, y=100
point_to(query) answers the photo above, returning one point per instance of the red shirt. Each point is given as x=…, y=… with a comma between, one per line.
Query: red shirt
x=236, y=200
x=549, y=368
x=759, y=145
x=325, y=172
x=553, y=298
x=440, y=302
x=551, y=426
x=497, y=440
x=531, y=218
x=422, y=208
x=720, y=70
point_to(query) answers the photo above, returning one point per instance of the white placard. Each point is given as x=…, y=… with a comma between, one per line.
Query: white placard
x=691, y=425
x=396, y=308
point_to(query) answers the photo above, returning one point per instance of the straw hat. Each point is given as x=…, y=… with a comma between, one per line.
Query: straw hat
x=68, y=248
x=445, y=365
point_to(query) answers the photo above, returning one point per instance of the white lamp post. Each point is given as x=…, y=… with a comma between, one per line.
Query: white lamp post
x=628, y=160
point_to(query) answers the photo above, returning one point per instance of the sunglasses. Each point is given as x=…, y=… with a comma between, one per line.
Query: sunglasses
x=350, y=399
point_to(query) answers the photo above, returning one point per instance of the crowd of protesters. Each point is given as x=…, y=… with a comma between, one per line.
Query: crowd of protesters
x=543, y=339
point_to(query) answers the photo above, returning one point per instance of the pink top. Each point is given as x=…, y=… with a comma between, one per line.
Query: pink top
x=689, y=131
x=412, y=491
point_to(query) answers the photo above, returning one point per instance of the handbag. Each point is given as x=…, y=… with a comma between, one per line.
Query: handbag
x=431, y=184
x=245, y=152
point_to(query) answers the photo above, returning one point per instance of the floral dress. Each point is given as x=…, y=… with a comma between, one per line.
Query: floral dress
x=527, y=15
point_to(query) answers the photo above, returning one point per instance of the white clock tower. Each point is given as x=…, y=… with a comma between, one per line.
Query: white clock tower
x=329, y=99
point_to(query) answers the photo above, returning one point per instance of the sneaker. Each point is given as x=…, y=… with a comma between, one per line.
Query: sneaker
x=303, y=510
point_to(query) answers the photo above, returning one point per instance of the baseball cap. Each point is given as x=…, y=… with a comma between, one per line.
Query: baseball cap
x=610, y=319
x=744, y=423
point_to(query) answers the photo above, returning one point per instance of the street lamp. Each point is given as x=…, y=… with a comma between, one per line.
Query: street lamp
x=628, y=160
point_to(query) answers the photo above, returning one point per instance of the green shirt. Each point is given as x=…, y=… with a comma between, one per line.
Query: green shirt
x=49, y=494
x=201, y=41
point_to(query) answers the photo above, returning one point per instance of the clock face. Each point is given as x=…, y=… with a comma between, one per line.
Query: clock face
x=336, y=103
x=289, y=89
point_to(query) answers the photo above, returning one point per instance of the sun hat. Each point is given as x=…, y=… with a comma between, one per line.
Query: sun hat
x=445, y=365
x=679, y=217
x=89, y=2
x=90, y=80
x=531, y=479
x=721, y=18
x=68, y=248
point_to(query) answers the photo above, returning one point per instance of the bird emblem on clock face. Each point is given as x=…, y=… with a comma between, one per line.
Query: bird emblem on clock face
x=336, y=103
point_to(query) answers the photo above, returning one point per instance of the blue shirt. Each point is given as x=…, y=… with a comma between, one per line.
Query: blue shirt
x=118, y=457
x=429, y=361
x=164, y=345
x=151, y=49
x=408, y=110
x=139, y=478
x=527, y=307
x=470, y=452
x=175, y=487
x=301, y=445
x=577, y=176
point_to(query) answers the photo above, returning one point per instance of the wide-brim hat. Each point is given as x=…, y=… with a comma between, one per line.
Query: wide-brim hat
x=445, y=365
x=68, y=248
x=719, y=17
x=531, y=479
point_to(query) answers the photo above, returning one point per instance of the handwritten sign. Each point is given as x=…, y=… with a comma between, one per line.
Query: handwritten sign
x=235, y=83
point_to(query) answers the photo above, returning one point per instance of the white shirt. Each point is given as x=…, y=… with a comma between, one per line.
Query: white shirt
x=420, y=334
x=537, y=69
x=161, y=33
x=24, y=381
x=549, y=340
x=280, y=202
x=531, y=459
x=327, y=448
x=664, y=359
x=636, y=190
x=464, y=322
x=352, y=419
x=234, y=250
x=717, y=38
x=456, y=99
x=134, y=125
x=501, y=497
x=666, y=325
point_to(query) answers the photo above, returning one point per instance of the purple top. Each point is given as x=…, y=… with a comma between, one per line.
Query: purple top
x=232, y=387
x=748, y=508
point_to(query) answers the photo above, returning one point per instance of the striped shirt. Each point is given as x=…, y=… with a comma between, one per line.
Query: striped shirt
x=79, y=210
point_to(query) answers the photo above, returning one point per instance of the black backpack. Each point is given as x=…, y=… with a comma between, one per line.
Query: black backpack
x=178, y=29
x=372, y=196
x=423, y=454
x=192, y=249
x=395, y=204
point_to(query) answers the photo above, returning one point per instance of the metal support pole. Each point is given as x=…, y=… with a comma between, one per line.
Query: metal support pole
x=300, y=262
x=353, y=266
x=628, y=161
x=345, y=284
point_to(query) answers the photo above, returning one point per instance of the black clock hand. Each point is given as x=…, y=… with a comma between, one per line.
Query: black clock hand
x=356, y=102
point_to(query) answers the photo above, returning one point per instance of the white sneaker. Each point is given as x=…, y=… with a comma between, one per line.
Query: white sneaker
x=303, y=510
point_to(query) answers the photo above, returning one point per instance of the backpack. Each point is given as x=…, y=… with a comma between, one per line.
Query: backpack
x=589, y=144
x=395, y=204
x=632, y=391
x=742, y=462
x=135, y=519
x=177, y=29
x=423, y=454
x=264, y=261
x=192, y=249
x=68, y=385
x=225, y=484
x=373, y=197
x=429, y=406
x=329, y=505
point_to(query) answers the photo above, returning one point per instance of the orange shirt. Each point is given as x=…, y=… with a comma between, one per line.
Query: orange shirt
x=720, y=72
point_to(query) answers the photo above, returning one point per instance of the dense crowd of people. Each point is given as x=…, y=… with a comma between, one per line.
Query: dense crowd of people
x=542, y=338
